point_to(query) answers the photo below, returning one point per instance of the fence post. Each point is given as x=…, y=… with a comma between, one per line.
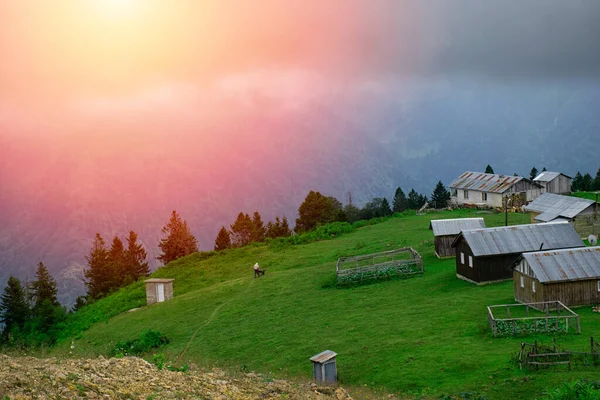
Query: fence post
x=578, y=325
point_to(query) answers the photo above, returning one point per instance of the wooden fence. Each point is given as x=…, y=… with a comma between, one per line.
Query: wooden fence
x=558, y=322
x=534, y=355
x=401, y=262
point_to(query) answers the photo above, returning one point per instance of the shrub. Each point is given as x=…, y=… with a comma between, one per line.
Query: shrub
x=147, y=341
x=575, y=390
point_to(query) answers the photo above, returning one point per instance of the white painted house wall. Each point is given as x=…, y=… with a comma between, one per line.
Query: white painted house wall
x=475, y=197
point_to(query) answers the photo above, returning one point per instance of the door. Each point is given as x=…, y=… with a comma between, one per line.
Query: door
x=160, y=292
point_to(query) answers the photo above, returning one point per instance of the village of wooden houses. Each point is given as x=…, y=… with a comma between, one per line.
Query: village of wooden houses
x=548, y=259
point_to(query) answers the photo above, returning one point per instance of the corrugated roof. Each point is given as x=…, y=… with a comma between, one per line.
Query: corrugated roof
x=559, y=205
x=547, y=176
x=520, y=238
x=323, y=357
x=443, y=227
x=491, y=183
x=565, y=265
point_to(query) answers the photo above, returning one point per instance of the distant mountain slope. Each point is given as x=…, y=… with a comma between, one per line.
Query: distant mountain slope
x=128, y=170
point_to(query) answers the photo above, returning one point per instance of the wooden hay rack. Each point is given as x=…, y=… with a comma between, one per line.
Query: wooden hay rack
x=402, y=262
x=541, y=317
x=535, y=355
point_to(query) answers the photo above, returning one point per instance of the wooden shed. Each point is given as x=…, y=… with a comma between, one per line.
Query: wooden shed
x=581, y=213
x=486, y=255
x=446, y=230
x=158, y=290
x=324, y=367
x=571, y=276
x=554, y=182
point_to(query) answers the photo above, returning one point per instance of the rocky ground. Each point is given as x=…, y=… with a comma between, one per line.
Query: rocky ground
x=135, y=378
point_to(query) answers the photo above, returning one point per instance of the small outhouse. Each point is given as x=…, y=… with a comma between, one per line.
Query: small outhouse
x=158, y=290
x=324, y=368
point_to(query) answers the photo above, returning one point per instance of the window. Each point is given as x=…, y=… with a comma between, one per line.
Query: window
x=453, y=192
x=484, y=196
x=522, y=280
x=462, y=261
x=466, y=194
x=470, y=261
x=533, y=286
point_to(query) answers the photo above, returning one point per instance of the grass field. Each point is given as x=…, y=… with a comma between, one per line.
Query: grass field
x=424, y=336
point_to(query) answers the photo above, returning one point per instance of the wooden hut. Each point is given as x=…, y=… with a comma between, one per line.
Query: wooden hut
x=554, y=182
x=486, y=255
x=571, y=276
x=158, y=290
x=446, y=230
x=581, y=213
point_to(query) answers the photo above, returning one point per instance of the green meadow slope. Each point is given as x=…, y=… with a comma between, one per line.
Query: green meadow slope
x=424, y=336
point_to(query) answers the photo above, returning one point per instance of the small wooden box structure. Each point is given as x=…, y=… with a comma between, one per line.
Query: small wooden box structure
x=400, y=262
x=158, y=290
x=324, y=367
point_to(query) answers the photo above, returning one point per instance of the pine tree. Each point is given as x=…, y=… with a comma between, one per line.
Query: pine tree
x=489, y=169
x=385, y=208
x=586, y=183
x=179, y=241
x=14, y=309
x=576, y=185
x=596, y=182
x=97, y=275
x=400, y=202
x=80, y=301
x=440, y=196
x=352, y=213
x=544, y=169
x=259, y=231
x=42, y=293
x=119, y=275
x=414, y=200
x=242, y=230
x=533, y=173
x=43, y=288
x=135, y=256
x=223, y=240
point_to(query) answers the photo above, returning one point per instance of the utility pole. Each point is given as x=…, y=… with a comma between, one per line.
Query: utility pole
x=506, y=211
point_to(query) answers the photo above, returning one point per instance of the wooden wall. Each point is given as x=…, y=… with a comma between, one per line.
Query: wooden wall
x=443, y=246
x=570, y=293
x=559, y=185
x=485, y=269
x=525, y=294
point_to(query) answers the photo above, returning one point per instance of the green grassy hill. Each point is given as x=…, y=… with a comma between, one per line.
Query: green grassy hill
x=422, y=336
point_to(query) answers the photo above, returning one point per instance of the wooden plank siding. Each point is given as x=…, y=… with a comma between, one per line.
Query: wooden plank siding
x=570, y=293
x=443, y=246
x=485, y=269
x=559, y=185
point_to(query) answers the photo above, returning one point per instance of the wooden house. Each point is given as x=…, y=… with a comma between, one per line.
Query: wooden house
x=490, y=190
x=486, y=255
x=581, y=213
x=554, y=182
x=158, y=290
x=571, y=276
x=446, y=230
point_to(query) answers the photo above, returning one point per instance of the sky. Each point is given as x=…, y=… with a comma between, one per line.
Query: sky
x=65, y=54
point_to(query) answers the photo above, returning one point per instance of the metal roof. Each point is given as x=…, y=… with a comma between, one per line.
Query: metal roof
x=158, y=280
x=520, y=238
x=547, y=176
x=323, y=357
x=492, y=183
x=565, y=265
x=556, y=205
x=443, y=227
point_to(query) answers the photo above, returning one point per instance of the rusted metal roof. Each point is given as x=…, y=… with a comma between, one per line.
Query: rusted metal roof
x=565, y=265
x=443, y=227
x=323, y=357
x=520, y=238
x=551, y=206
x=548, y=176
x=491, y=183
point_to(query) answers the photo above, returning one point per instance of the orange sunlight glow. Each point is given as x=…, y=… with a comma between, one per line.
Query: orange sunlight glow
x=116, y=9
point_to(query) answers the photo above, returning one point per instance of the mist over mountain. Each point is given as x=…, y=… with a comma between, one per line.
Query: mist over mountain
x=128, y=170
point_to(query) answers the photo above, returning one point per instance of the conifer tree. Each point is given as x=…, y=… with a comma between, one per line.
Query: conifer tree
x=576, y=185
x=117, y=265
x=223, y=240
x=533, y=173
x=135, y=255
x=489, y=169
x=586, y=183
x=14, y=309
x=385, y=208
x=317, y=209
x=42, y=293
x=179, y=241
x=440, y=196
x=97, y=275
x=242, y=230
x=259, y=230
x=400, y=203
x=544, y=169
x=414, y=200
x=596, y=182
